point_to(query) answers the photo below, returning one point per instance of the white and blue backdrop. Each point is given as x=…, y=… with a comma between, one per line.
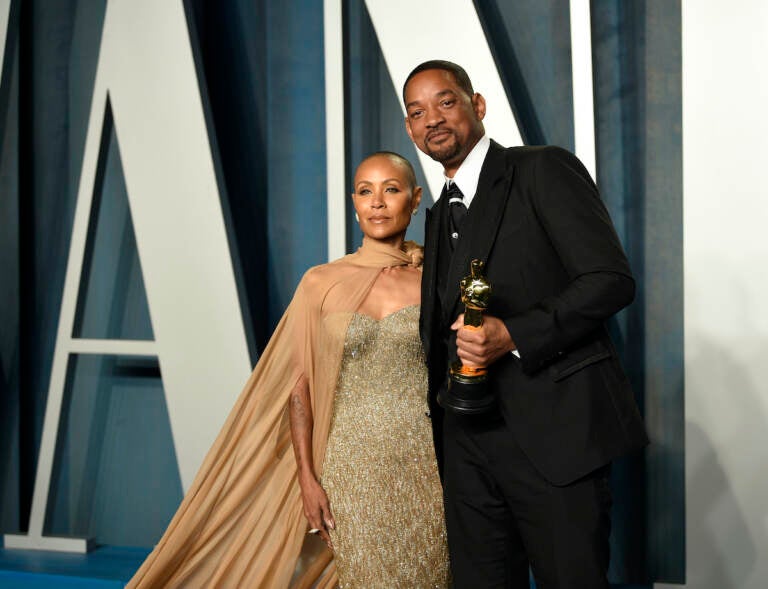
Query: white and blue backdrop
x=168, y=170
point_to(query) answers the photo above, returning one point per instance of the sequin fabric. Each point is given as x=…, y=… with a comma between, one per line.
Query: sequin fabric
x=380, y=472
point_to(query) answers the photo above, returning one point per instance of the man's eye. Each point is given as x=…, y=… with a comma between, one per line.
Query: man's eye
x=415, y=114
x=448, y=103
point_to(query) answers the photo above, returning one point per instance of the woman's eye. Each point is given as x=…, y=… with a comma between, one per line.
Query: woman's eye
x=364, y=192
x=392, y=189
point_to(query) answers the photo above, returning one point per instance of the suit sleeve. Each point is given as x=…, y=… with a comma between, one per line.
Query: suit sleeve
x=599, y=281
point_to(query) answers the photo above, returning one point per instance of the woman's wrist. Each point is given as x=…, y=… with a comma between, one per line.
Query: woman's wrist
x=307, y=476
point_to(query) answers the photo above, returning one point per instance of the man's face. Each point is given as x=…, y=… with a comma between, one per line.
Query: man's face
x=442, y=119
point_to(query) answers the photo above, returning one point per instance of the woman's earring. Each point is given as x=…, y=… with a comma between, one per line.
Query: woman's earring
x=414, y=212
x=357, y=218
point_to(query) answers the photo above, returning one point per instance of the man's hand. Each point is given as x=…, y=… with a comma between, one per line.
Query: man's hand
x=317, y=509
x=484, y=345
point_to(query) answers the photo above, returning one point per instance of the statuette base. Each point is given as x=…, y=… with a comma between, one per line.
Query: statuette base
x=467, y=392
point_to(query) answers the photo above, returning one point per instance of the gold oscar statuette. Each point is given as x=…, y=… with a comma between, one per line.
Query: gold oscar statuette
x=468, y=391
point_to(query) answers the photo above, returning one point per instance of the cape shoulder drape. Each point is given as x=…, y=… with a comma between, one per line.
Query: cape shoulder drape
x=241, y=523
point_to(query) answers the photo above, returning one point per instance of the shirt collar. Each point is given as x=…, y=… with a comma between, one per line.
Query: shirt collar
x=468, y=174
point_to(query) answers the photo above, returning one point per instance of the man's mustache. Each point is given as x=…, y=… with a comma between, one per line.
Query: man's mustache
x=437, y=131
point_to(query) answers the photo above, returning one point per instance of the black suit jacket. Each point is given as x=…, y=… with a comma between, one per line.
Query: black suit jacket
x=558, y=272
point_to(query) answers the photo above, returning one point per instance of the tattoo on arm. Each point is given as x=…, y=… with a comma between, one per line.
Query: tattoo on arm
x=301, y=426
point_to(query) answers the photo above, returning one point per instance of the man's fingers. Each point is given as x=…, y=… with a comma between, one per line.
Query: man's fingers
x=470, y=352
x=471, y=336
x=483, y=346
x=471, y=359
x=470, y=346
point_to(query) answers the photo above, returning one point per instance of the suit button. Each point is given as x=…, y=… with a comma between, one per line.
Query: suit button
x=455, y=235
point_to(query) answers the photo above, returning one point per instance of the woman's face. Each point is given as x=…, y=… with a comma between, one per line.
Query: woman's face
x=384, y=198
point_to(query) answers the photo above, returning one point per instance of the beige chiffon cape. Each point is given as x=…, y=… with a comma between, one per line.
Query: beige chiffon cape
x=241, y=524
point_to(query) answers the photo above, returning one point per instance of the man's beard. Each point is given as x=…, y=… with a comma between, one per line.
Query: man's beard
x=444, y=153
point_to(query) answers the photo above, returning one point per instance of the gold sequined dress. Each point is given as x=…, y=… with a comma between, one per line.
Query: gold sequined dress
x=380, y=472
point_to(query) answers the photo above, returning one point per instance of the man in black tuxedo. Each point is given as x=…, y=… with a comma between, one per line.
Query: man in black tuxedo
x=526, y=484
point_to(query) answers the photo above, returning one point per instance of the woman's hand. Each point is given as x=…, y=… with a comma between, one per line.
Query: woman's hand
x=317, y=509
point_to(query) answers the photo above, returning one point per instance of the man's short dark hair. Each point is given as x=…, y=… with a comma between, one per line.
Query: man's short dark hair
x=459, y=75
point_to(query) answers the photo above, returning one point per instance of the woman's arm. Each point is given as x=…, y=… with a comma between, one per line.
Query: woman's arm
x=316, y=507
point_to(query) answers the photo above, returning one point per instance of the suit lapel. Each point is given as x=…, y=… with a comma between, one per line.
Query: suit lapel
x=481, y=224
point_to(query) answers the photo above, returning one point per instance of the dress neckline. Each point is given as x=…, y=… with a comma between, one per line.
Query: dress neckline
x=400, y=310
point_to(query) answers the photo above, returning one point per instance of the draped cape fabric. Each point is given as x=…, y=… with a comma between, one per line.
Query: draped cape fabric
x=241, y=524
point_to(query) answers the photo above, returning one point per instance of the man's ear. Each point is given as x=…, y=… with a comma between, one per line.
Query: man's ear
x=478, y=105
x=408, y=128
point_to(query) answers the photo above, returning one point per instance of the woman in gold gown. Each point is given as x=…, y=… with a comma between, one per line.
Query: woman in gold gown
x=343, y=381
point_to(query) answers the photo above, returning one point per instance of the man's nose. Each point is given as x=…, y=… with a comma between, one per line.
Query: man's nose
x=434, y=117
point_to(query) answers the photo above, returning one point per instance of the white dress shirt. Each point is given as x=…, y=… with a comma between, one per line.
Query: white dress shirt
x=468, y=174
